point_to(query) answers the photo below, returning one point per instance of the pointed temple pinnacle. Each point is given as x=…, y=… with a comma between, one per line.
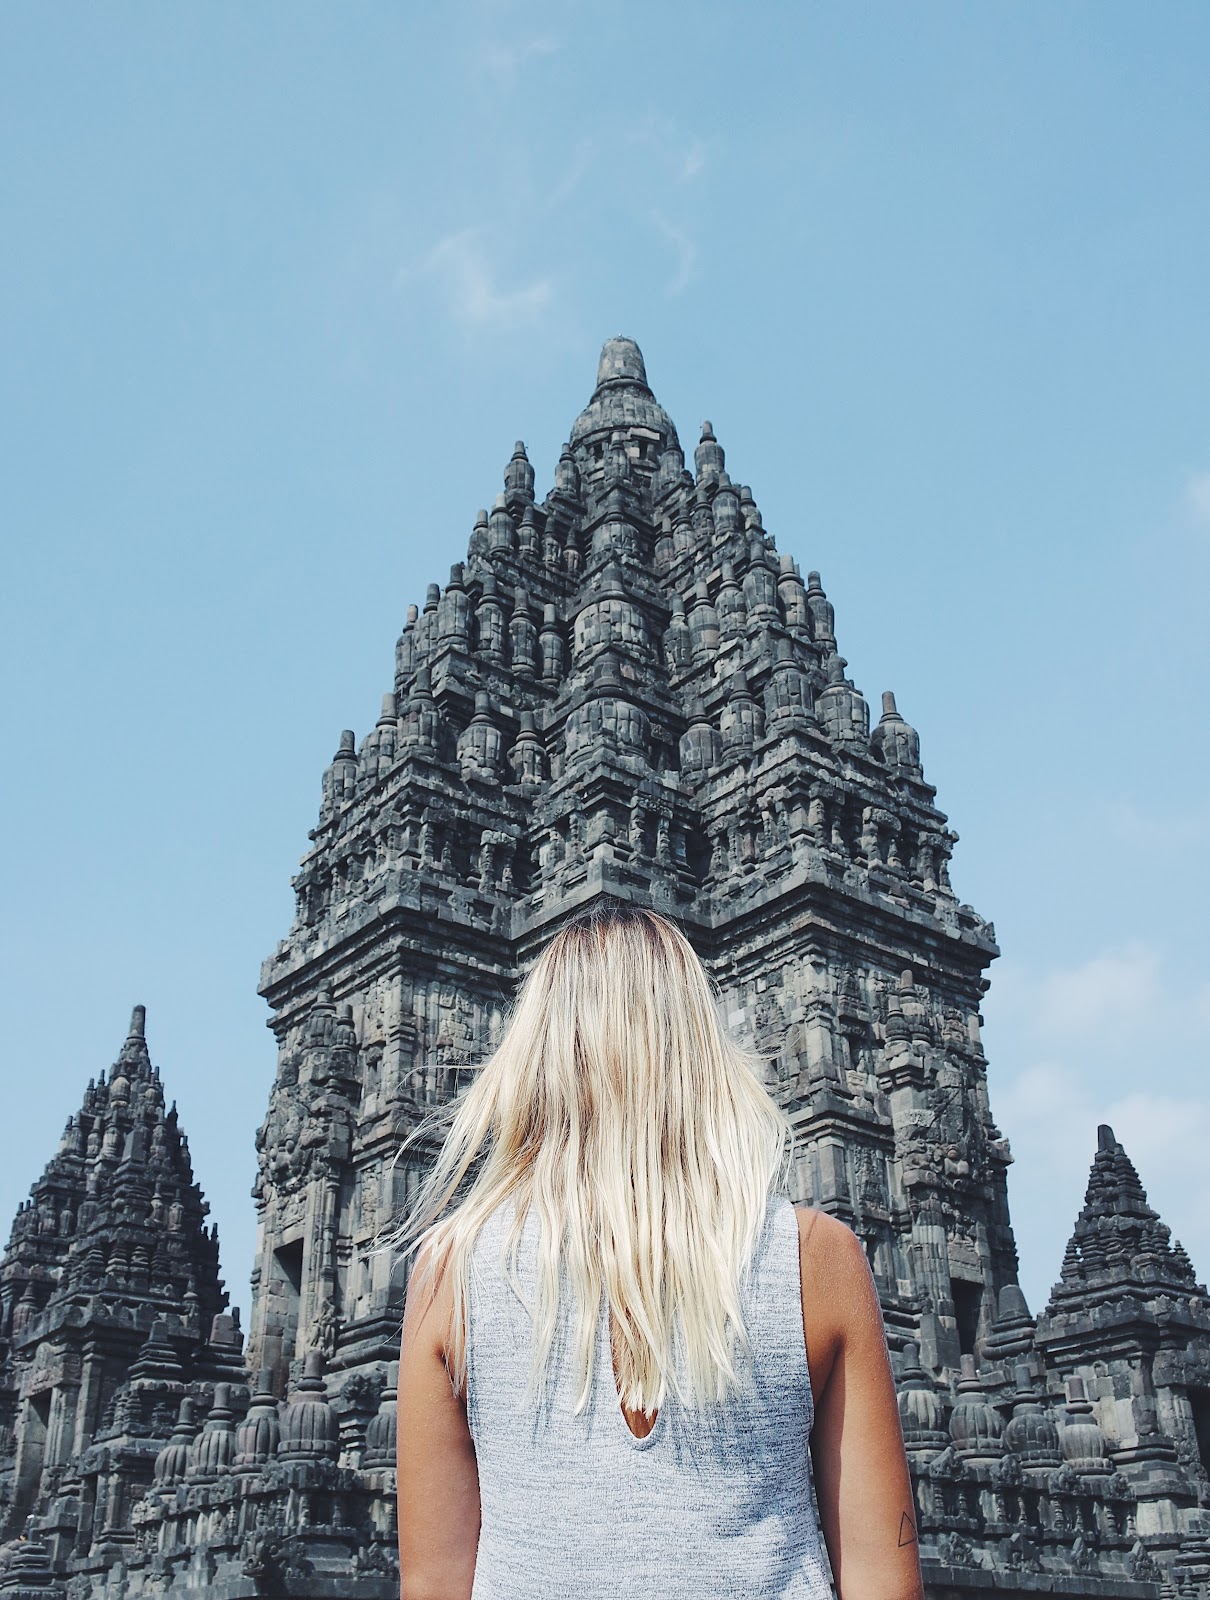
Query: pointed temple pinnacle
x=138, y=1023
x=621, y=361
x=1105, y=1138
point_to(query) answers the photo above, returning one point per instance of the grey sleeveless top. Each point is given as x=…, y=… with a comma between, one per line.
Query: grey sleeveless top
x=714, y=1502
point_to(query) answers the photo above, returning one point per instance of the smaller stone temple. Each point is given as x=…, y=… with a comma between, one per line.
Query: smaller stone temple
x=112, y=1311
x=130, y=1430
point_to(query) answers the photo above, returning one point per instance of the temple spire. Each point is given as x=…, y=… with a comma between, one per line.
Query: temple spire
x=1119, y=1246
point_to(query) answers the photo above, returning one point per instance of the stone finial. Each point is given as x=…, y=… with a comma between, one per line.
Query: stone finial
x=617, y=465
x=340, y=781
x=921, y=1409
x=259, y=1434
x=422, y=686
x=225, y=1331
x=453, y=614
x=489, y=621
x=732, y=611
x=1011, y=1305
x=701, y=746
x=211, y=1453
x=725, y=507
x=480, y=539
x=480, y=744
x=309, y=1428
x=567, y=478
x=527, y=537
x=405, y=649
x=621, y=362
x=792, y=595
x=753, y=521
x=527, y=758
x=788, y=697
x=841, y=708
x=1031, y=1433
x=823, y=617
x=703, y=624
x=502, y=530
x=669, y=471
x=678, y=639
x=608, y=716
x=519, y=479
x=172, y=1463
x=895, y=742
x=708, y=458
x=741, y=723
x=1081, y=1441
x=380, y=1434
x=158, y=1361
x=1011, y=1336
x=133, y=1060
x=760, y=582
x=665, y=546
x=976, y=1427
x=523, y=637
x=550, y=642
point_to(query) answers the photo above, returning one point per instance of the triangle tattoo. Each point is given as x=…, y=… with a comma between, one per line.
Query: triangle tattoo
x=907, y=1531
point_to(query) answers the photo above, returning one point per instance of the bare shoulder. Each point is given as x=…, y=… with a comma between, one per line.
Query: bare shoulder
x=828, y=1245
x=429, y=1303
x=839, y=1299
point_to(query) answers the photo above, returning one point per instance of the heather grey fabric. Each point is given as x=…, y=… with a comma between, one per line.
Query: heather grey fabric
x=715, y=1503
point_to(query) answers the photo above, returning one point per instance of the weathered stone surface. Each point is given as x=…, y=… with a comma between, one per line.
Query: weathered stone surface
x=625, y=690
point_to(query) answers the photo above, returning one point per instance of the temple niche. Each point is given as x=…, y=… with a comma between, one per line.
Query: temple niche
x=627, y=691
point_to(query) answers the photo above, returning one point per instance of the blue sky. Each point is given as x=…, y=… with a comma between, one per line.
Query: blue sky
x=281, y=285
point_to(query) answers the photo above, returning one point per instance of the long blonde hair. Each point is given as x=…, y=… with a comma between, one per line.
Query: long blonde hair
x=620, y=1107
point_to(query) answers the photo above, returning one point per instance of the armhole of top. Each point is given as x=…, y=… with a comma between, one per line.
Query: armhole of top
x=469, y=1392
x=801, y=1316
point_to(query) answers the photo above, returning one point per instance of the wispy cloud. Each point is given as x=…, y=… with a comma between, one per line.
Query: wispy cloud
x=1118, y=1038
x=507, y=61
x=583, y=156
x=1145, y=830
x=1107, y=991
x=656, y=142
x=1052, y=1114
x=686, y=254
x=460, y=265
x=681, y=155
x=693, y=161
x=668, y=156
x=1197, y=497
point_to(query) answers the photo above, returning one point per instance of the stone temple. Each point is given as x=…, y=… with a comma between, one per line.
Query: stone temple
x=624, y=690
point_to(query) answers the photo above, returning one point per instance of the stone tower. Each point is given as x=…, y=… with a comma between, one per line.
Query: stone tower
x=110, y=1305
x=623, y=691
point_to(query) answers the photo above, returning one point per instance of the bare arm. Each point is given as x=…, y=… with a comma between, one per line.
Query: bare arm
x=861, y=1474
x=438, y=1479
